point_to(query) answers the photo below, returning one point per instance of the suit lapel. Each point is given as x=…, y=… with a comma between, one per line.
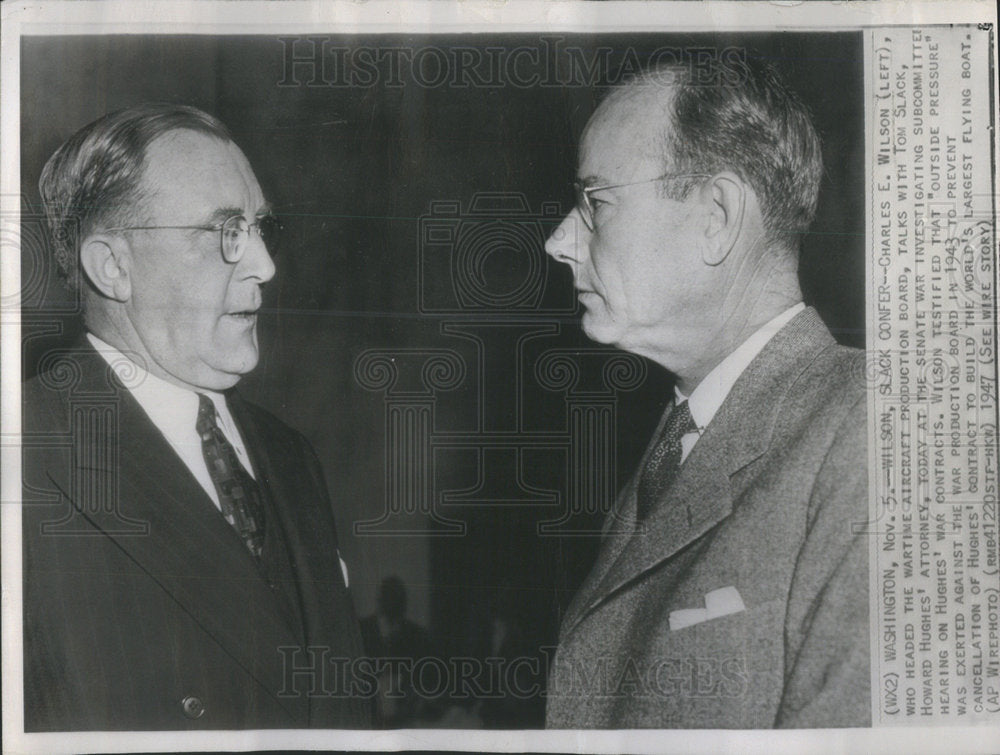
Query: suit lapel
x=702, y=494
x=187, y=547
x=284, y=493
x=699, y=498
x=301, y=506
x=306, y=520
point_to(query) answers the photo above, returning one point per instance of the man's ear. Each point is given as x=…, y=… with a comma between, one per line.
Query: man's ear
x=726, y=197
x=105, y=261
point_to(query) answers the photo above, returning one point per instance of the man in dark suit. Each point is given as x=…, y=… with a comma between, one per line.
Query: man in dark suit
x=181, y=568
x=731, y=589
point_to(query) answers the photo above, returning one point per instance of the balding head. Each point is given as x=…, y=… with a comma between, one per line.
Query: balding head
x=639, y=115
x=750, y=124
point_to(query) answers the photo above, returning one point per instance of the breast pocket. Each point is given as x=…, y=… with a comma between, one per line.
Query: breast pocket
x=739, y=656
x=736, y=630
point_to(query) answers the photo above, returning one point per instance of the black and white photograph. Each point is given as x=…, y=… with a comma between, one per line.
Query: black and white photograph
x=554, y=378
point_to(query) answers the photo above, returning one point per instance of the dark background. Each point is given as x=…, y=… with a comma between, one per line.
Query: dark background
x=353, y=169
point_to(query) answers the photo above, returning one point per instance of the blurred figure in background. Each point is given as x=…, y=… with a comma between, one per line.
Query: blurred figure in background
x=398, y=643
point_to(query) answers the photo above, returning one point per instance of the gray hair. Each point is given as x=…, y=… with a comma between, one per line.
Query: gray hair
x=94, y=178
x=749, y=122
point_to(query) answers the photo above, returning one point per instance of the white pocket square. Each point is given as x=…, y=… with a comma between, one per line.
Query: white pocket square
x=721, y=602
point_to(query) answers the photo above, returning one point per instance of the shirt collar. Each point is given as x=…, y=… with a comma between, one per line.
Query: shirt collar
x=709, y=394
x=171, y=408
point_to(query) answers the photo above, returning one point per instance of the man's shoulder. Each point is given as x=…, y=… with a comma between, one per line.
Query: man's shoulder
x=806, y=373
x=74, y=373
x=47, y=398
x=829, y=388
x=823, y=412
x=40, y=395
x=840, y=371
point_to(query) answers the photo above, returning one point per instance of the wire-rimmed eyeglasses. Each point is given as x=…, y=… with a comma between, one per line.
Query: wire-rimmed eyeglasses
x=234, y=233
x=586, y=205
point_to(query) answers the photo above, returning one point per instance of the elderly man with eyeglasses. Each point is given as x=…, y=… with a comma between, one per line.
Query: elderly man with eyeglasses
x=731, y=588
x=181, y=568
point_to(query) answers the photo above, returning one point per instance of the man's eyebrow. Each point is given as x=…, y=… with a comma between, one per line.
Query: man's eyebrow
x=589, y=181
x=222, y=214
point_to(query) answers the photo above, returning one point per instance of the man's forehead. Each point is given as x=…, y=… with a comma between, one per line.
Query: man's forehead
x=627, y=131
x=183, y=143
x=185, y=165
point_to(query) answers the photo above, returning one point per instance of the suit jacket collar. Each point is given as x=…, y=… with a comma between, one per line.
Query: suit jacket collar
x=702, y=493
x=131, y=486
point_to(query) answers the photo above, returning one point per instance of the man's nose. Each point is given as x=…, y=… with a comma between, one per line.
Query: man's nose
x=257, y=262
x=568, y=241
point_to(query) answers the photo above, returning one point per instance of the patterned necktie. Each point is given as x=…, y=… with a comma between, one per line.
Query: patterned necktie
x=663, y=463
x=237, y=490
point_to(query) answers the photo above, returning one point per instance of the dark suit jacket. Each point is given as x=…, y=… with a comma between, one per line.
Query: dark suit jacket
x=772, y=501
x=142, y=607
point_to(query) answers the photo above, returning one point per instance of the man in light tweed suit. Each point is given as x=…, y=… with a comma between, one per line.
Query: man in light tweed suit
x=731, y=588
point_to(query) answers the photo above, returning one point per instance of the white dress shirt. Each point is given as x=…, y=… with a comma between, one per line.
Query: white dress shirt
x=174, y=412
x=708, y=396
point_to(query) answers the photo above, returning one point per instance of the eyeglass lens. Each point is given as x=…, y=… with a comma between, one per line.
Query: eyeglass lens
x=236, y=235
x=583, y=205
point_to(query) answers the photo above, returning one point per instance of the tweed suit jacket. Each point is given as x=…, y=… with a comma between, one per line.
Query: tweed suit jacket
x=765, y=503
x=143, y=609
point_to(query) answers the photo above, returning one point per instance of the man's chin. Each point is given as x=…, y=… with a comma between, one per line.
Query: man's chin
x=598, y=329
x=238, y=368
x=225, y=373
